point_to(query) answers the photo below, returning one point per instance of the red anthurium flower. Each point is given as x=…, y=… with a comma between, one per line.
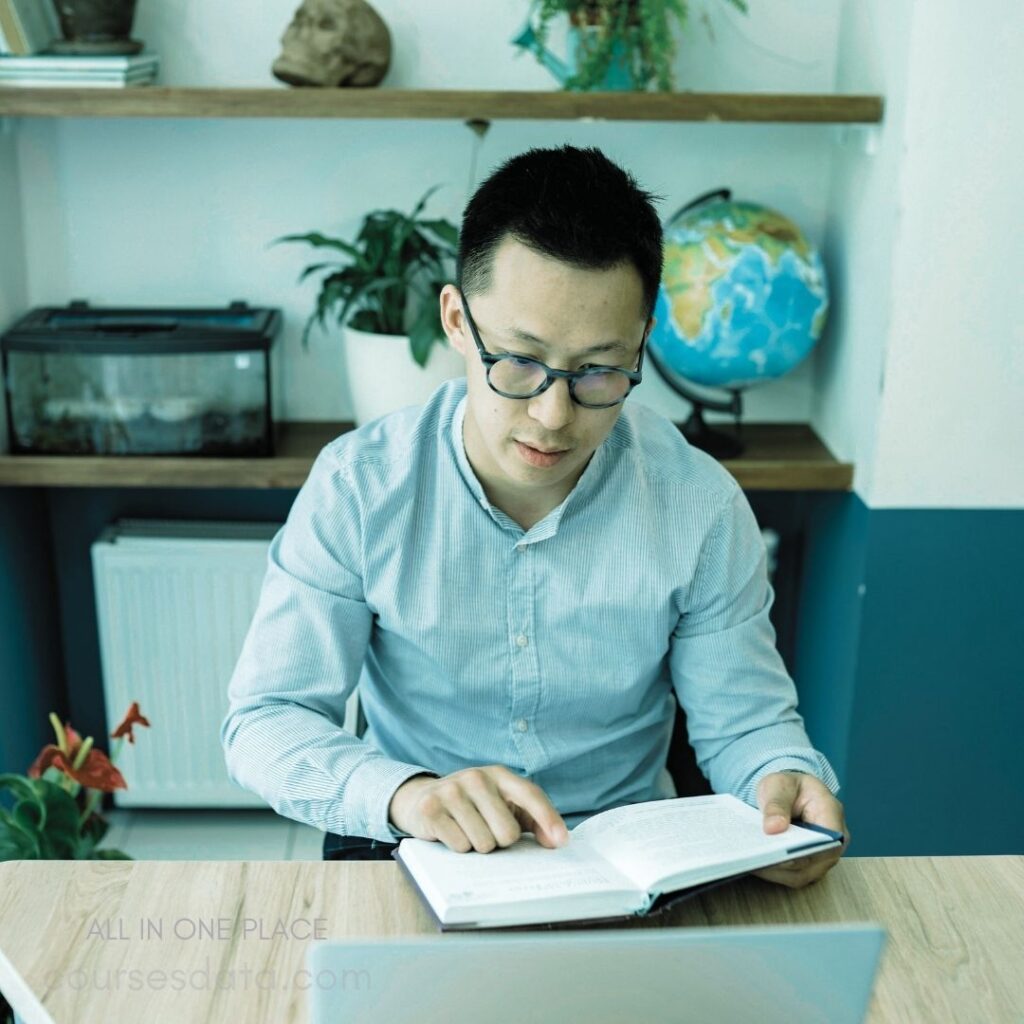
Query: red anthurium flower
x=132, y=717
x=96, y=771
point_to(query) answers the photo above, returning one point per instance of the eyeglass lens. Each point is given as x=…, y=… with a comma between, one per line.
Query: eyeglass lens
x=520, y=378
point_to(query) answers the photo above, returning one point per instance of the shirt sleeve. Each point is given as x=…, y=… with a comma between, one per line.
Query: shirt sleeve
x=301, y=659
x=739, y=700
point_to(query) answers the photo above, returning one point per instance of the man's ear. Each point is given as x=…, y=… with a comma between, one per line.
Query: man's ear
x=451, y=317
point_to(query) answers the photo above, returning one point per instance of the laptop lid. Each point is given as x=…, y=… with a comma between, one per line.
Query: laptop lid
x=793, y=974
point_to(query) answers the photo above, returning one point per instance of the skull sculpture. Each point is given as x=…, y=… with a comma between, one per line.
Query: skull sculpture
x=334, y=42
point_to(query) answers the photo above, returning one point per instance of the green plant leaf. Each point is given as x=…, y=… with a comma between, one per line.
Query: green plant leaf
x=60, y=837
x=313, y=268
x=110, y=855
x=14, y=835
x=30, y=815
x=423, y=202
x=381, y=284
x=18, y=784
x=447, y=232
x=364, y=320
x=316, y=239
x=423, y=334
x=15, y=845
x=47, y=820
x=95, y=828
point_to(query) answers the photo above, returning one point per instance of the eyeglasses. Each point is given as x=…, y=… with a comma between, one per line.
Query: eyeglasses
x=594, y=387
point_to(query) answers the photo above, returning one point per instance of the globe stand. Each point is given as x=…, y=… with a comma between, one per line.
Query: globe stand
x=714, y=442
x=695, y=429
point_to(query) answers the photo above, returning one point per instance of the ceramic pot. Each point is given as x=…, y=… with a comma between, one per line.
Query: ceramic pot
x=384, y=377
x=96, y=26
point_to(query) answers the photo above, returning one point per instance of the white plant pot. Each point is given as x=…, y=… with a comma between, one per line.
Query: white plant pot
x=383, y=376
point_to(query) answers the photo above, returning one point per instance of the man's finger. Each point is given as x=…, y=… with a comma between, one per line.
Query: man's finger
x=468, y=817
x=536, y=812
x=792, y=878
x=495, y=811
x=530, y=824
x=776, y=794
x=448, y=832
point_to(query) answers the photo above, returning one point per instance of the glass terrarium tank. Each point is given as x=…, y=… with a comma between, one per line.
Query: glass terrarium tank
x=91, y=381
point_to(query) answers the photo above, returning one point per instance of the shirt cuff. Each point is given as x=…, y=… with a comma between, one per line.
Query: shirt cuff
x=812, y=763
x=368, y=794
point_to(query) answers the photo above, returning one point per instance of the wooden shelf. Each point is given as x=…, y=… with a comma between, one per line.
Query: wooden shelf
x=780, y=456
x=159, y=101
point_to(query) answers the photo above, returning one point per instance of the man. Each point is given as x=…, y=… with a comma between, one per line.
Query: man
x=520, y=572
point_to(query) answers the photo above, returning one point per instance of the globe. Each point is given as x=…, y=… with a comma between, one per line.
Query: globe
x=743, y=297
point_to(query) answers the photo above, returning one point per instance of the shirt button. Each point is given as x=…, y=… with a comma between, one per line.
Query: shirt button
x=522, y=725
x=521, y=640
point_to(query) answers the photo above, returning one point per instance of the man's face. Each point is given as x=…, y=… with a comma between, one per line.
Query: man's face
x=567, y=310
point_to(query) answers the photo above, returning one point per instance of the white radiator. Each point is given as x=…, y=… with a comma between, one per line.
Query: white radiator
x=174, y=600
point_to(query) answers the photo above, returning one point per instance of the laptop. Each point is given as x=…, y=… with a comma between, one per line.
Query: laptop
x=792, y=974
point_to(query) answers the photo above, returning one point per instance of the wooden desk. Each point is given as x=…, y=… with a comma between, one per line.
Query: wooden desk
x=955, y=933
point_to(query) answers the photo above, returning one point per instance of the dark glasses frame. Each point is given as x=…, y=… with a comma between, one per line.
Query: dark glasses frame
x=490, y=359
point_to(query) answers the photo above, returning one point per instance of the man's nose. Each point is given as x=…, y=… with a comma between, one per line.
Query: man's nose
x=554, y=408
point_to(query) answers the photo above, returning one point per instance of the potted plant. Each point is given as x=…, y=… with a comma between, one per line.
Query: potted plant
x=385, y=297
x=613, y=44
x=54, y=816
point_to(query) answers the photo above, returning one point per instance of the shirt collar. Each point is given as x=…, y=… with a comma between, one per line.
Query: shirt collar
x=585, y=489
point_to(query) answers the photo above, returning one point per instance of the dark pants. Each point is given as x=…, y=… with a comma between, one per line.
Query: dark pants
x=356, y=848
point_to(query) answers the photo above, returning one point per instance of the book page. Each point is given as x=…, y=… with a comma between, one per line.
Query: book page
x=521, y=872
x=653, y=841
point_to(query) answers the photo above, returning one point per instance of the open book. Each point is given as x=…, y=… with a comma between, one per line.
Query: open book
x=620, y=863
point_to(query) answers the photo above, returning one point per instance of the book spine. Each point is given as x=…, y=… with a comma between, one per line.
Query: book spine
x=35, y=18
x=11, y=29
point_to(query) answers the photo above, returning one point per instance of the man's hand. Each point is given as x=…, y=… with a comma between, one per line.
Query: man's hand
x=783, y=796
x=476, y=809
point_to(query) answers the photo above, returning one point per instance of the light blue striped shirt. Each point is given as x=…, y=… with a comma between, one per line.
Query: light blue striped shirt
x=553, y=651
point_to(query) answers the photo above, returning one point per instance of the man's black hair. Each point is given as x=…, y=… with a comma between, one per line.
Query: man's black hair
x=570, y=204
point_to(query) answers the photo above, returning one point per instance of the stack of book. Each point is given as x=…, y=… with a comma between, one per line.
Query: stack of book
x=28, y=29
x=75, y=72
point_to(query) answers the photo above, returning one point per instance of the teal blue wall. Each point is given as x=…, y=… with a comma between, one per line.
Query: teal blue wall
x=829, y=617
x=915, y=686
x=31, y=667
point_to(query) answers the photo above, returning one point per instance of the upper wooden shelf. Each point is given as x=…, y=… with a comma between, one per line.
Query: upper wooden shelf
x=158, y=101
x=780, y=456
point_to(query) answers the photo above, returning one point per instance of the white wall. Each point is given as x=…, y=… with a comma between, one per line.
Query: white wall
x=863, y=217
x=923, y=387
x=951, y=431
x=182, y=212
